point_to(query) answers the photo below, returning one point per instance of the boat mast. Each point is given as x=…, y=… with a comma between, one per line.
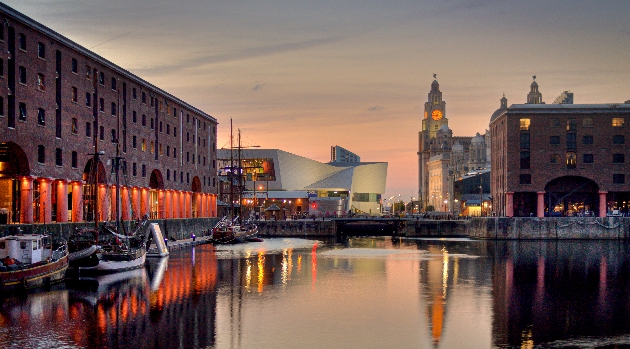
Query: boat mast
x=240, y=177
x=95, y=162
x=230, y=174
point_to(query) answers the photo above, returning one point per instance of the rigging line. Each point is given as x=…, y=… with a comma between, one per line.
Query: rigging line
x=114, y=38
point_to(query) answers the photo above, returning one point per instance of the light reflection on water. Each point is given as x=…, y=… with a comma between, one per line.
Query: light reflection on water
x=370, y=293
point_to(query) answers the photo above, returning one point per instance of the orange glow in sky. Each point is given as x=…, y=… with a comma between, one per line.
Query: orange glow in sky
x=302, y=76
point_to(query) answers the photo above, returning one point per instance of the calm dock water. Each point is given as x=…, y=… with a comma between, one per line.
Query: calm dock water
x=370, y=293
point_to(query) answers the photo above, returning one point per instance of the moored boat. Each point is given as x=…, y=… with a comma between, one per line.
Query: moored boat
x=30, y=261
x=229, y=232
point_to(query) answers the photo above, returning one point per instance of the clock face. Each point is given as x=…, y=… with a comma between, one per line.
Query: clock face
x=436, y=115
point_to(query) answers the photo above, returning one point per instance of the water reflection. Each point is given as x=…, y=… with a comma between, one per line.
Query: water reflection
x=371, y=293
x=559, y=293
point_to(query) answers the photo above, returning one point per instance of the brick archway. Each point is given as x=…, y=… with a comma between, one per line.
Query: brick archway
x=571, y=195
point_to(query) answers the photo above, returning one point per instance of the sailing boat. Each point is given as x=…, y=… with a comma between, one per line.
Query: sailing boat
x=233, y=230
x=119, y=251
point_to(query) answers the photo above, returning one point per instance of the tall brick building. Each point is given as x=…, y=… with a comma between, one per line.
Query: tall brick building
x=60, y=102
x=561, y=158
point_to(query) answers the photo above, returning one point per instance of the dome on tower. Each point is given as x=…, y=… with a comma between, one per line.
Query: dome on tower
x=478, y=139
x=444, y=129
x=457, y=147
x=499, y=111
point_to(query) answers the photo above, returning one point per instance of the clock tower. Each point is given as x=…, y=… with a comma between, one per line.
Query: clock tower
x=435, y=138
x=434, y=111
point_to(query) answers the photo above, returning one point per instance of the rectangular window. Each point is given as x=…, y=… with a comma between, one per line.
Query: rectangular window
x=41, y=154
x=75, y=159
x=144, y=170
x=618, y=158
x=113, y=109
x=571, y=124
x=168, y=129
x=587, y=122
x=134, y=169
x=571, y=160
x=525, y=179
x=134, y=117
x=88, y=129
x=113, y=83
x=1, y=106
x=554, y=158
x=41, y=82
x=174, y=153
x=22, y=116
x=41, y=50
x=75, y=94
x=1, y=67
x=75, y=66
x=571, y=142
x=618, y=139
x=21, y=41
x=587, y=158
x=101, y=105
x=619, y=178
x=133, y=93
x=168, y=150
x=588, y=139
x=41, y=117
x=144, y=120
x=88, y=99
x=74, y=126
x=101, y=78
x=133, y=142
x=618, y=122
x=58, y=158
x=554, y=140
x=144, y=144
x=525, y=159
x=88, y=72
x=144, y=97
x=101, y=135
x=22, y=74
x=524, y=124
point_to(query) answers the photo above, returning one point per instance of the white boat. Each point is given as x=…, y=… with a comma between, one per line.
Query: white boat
x=29, y=261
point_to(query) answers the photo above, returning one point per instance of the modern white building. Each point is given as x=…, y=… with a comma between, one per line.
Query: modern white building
x=333, y=188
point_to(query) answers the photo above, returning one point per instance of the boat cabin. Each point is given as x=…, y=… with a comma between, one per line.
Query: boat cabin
x=26, y=249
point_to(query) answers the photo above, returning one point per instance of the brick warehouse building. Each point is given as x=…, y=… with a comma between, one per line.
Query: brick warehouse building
x=59, y=103
x=561, y=158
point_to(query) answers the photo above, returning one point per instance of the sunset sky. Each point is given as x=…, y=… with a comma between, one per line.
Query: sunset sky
x=302, y=76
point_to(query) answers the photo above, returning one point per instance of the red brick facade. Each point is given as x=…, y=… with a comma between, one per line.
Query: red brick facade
x=560, y=159
x=61, y=102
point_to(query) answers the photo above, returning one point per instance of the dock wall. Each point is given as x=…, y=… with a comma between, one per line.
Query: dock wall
x=482, y=228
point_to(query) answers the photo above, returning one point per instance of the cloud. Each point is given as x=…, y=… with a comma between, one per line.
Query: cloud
x=258, y=86
x=243, y=54
x=376, y=108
